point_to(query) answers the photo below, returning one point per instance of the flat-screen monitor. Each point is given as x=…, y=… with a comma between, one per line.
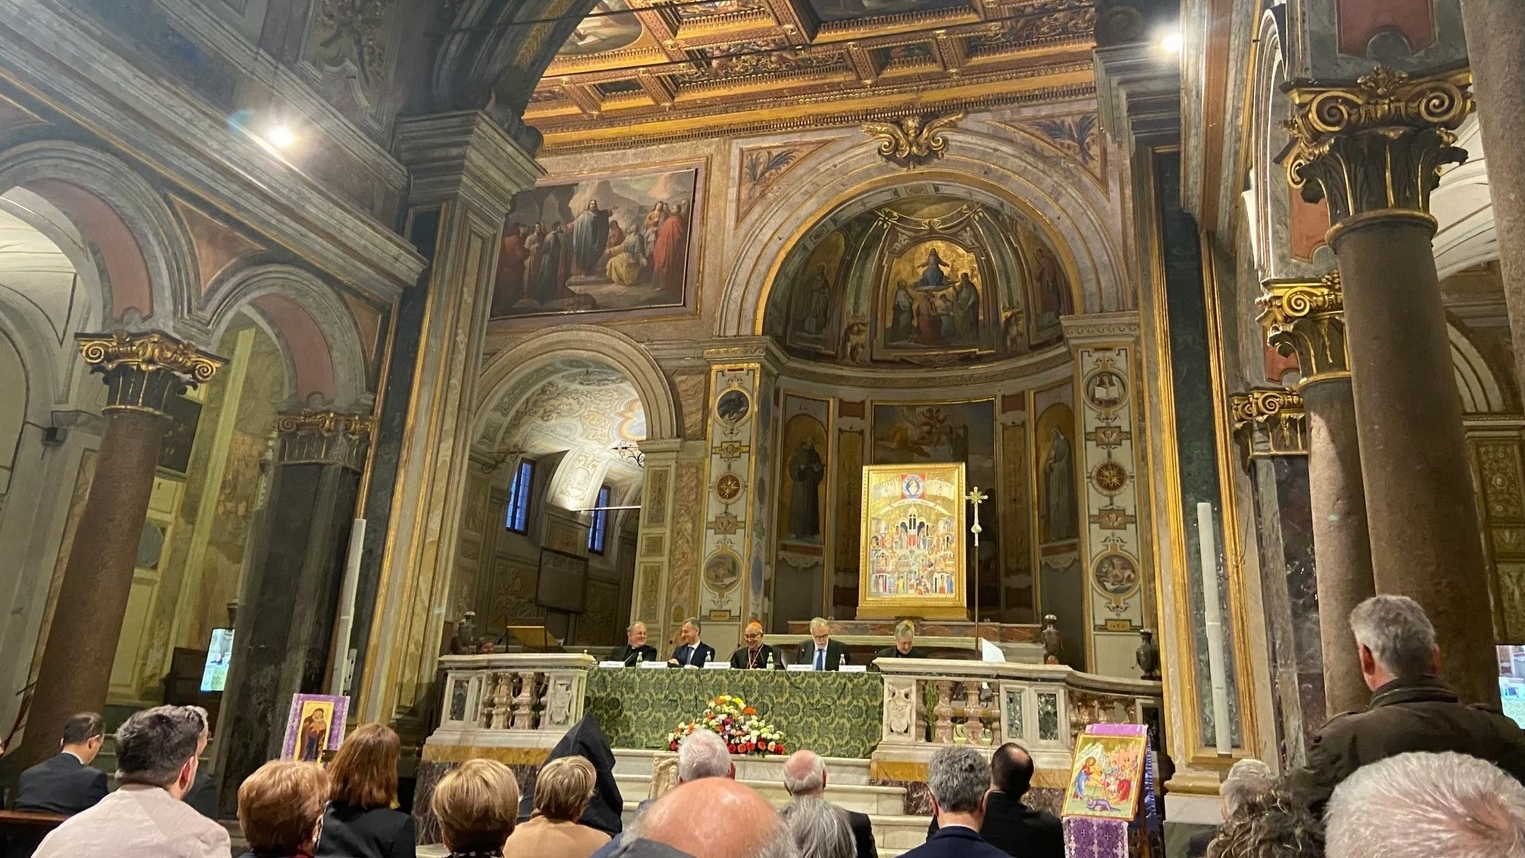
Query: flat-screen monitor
x=219, y=652
x=1512, y=682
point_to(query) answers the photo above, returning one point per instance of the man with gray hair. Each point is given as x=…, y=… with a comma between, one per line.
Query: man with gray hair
x=1246, y=780
x=146, y=818
x=703, y=754
x=805, y=779
x=1410, y=709
x=959, y=779
x=1420, y=805
x=821, y=652
x=819, y=829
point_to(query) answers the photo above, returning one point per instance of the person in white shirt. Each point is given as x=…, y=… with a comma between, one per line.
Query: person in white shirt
x=146, y=818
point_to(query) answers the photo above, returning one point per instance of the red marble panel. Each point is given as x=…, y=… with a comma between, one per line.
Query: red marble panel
x=1308, y=224
x=1361, y=20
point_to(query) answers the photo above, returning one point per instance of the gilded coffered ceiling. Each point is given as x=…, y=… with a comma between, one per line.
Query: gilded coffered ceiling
x=670, y=69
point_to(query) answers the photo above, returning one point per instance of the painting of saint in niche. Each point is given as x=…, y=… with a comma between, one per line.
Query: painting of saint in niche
x=620, y=242
x=805, y=475
x=1051, y=286
x=1057, y=506
x=816, y=286
x=846, y=10
x=610, y=27
x=934, y=297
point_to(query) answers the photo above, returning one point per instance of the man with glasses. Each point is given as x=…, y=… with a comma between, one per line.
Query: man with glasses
x=756, y=655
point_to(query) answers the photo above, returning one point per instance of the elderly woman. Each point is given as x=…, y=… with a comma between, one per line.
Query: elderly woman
x=280, y=809
x=362, y=820
x=476, y=806
x=562, y=792
x=905, y=643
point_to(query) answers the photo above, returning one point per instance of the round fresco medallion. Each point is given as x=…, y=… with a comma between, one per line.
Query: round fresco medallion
x=1115, y=574
x=733, y=406
x=1105, y=389
x=722, y=572
x=728, y=487
x=1110, y=478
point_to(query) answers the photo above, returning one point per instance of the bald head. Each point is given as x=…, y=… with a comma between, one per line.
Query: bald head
x=804, y=774
x=716, y=818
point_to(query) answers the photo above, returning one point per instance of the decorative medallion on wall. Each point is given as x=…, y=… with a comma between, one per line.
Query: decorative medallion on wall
x=722, y=572
x=1109, y=478
x=1115, y=575
x=728, y=487
x=732, y=407
x=1105, y=390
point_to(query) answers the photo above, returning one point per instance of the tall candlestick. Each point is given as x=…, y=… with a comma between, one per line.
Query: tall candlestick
x=976, y=497
x=338, y=682
x=1214, y=615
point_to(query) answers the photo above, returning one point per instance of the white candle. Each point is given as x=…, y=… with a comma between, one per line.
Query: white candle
x=1214, y=616
x=338, y=680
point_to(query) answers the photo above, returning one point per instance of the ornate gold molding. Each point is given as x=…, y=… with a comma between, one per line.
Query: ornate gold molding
x=1378, y=146
x=324, y=437
x=1269, y=421
x=914, y=141
x=1308, y=318
x=144, y=370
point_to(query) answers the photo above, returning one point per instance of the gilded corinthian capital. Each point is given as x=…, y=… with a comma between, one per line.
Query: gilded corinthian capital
x=1269, y=421
x=1307, y=318
x=1377, y=146
x=324, y=437
x=142, y=371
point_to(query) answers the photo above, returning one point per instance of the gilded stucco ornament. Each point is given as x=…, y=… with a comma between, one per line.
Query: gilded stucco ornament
x=142, y=371
x=913, y=141
x=1269, y=421
x=1378, y=146
x=1308, y=318
x=325, y=437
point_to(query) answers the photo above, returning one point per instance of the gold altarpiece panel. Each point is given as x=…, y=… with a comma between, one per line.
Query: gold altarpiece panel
x=913, y=555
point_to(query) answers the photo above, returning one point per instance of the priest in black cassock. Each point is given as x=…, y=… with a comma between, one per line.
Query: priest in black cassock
x=905, y=643
x=756, y=655
x=635, y=648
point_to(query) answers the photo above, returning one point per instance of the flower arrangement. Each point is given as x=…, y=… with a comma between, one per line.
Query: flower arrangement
x=737, y=723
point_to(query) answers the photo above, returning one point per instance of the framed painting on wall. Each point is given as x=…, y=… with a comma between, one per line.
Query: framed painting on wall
x=912, y=547
x=314, y=727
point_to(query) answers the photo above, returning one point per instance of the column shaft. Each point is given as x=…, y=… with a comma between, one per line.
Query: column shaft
x=1425, y=540
x=1341, y=542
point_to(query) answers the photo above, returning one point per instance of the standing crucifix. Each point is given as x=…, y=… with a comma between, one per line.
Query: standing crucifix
x=976, y=497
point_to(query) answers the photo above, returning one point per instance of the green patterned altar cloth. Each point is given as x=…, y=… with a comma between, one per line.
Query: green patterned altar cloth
x=833, y=714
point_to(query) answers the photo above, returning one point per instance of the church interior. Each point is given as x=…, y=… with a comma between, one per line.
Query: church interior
x=410, y=351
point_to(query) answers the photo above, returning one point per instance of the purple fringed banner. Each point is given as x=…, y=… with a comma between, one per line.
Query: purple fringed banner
x=1095, y=838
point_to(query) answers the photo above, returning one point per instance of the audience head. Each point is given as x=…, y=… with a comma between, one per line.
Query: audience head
x=364, y=771
x=158, y=747
x=1011, y=769
x=206, y=728
x=477, y=805
x=804, y=774
x=564, y=787
x=820, y=630
x=753, y=635
x=1245, y=780
x=715, y=818
x=819, y=829
x=280, y=807
x=1422, y=804
x=905, y=636
x=636, y=634
x=83, y=735
x=1395, y=639
x=1272, y=824
x=703, y=754
x=958, y=779
x=689, y=631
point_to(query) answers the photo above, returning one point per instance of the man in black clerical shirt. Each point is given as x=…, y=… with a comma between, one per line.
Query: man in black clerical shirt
x=821, y=652
x=756, y=655
x=65, y=783
x=1010, y=825
x=635, y=648
x=691, y=653
x=905, y=643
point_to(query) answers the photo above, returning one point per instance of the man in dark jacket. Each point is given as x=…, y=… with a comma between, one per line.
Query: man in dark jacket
x=753, y=654
x=905, y=643
x=805, y=777
x=65, y=783
x=635, y=649
x=959, y=780
x=1010, y=825
x=1410, y=709
x=821, y=651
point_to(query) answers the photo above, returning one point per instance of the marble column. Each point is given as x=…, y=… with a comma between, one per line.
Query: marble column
x=1373, y=150
x=142, y=373
x=1308, y=319
x=465, y=171
x=1495, y=44
x=289, y=598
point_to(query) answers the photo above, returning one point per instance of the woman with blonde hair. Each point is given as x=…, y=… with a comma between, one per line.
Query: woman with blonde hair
x=477, y=806
x=362, y=820
x=280, y=809
x=563, y=790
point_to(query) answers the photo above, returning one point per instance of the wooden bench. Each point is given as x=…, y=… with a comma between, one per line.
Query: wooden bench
x=21, y=831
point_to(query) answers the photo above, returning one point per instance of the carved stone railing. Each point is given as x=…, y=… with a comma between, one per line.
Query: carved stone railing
x=525, y=696
x=1042, y=707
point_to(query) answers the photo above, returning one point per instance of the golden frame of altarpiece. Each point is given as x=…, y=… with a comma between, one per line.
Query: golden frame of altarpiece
x=913, y=553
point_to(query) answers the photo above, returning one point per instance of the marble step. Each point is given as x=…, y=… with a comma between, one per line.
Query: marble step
x=839, y=770
x=864, y=798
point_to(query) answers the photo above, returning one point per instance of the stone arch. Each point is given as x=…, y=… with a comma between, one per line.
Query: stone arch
x=1072, y=210
x=317, y=333
x=513, y=371
x=146, y=256
x=1476, y=382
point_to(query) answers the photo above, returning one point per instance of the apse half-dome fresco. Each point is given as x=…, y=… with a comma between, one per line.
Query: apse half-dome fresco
x=927, y=275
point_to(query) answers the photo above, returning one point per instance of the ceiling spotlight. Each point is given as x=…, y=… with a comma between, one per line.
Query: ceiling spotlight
x=1171, y=44
x=281, y=136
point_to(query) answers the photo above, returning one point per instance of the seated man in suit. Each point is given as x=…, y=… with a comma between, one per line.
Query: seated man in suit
x=822, y=652
x=65, y=783
x=905, y=643
x=959, y=781
x=691, y=653
x=756, y=655
x=805, y=777
x=635, y=648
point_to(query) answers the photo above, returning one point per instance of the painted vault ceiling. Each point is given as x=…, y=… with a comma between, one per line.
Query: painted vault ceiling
x=671, y=69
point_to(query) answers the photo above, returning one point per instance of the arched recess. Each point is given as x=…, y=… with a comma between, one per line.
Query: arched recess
x=1075, y=215
x=317, y=333
x=1462, y=205
x=514, y=372
x=1476, y=382
x=146, y=257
